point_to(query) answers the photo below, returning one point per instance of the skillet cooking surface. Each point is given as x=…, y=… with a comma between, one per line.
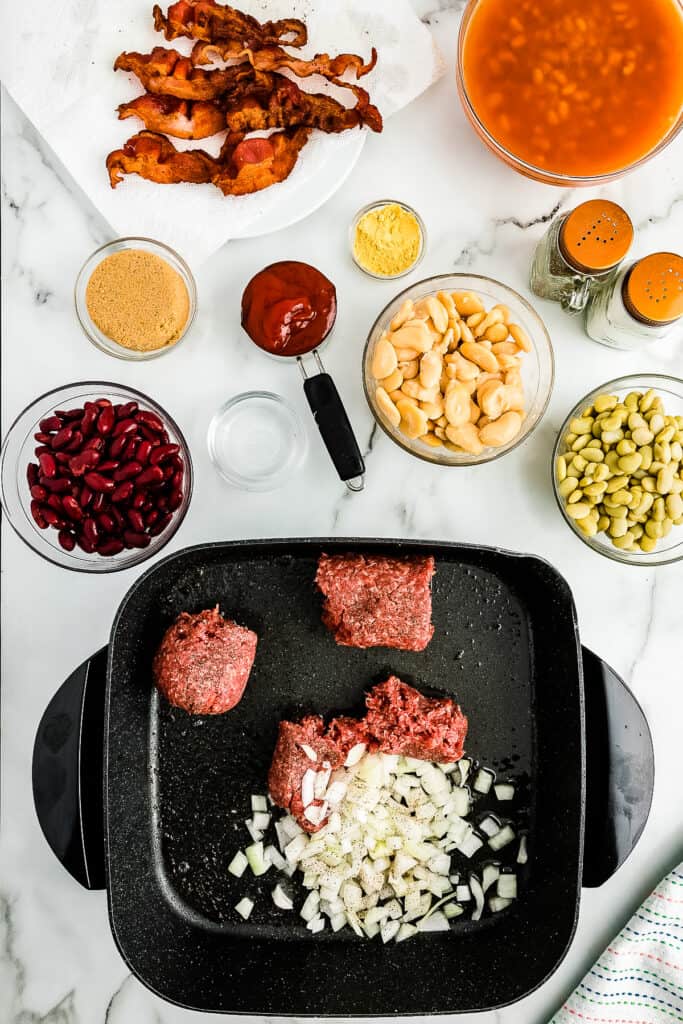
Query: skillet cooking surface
x=178, y=787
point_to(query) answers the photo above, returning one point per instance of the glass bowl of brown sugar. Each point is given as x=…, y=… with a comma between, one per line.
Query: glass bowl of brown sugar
x=135, y=298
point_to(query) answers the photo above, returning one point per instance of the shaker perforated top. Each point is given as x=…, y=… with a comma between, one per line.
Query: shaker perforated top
x=596, y=236
x=653, y=288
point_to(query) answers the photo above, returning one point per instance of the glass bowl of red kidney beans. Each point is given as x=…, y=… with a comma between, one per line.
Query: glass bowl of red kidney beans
x=95, y=477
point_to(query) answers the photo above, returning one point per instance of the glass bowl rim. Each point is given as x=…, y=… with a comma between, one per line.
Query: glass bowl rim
x=433, y=459
x=85, y=320
x=298, y=448
x=374, y=205
x=534, y=171
x=617, y=384
x=108, y=564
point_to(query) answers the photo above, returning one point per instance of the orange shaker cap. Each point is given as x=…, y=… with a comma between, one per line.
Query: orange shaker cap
x=653, y=288
x=596, y=236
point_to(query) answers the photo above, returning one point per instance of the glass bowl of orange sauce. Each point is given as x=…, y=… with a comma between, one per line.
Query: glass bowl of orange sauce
x=573, y=92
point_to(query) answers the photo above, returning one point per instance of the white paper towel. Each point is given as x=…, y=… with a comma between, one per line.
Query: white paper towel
x=56, y=60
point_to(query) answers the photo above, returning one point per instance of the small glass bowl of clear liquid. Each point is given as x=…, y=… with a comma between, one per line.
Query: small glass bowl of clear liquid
x=256, y=441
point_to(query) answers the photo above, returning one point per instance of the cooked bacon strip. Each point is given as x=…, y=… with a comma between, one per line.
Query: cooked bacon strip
x=183, y=119
x=244, y=165
x=270, y=101
x=211, y=21
x=168, y=73
x=272, y=58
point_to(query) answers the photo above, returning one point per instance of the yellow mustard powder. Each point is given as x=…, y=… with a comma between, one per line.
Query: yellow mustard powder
x=387, y=240
x=138, y=300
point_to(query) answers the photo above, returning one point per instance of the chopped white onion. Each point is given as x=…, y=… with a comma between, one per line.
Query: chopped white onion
x=464, y=765
x=504, y=791
x=354, y=755
x=507, y=887
x=463, y=893
x=281, y=899
x=438, y=922
x=452, y=910
x=260, y=821
x=255, y=833
x=309, y=752
x=238, y=865
x=310, y=907
x=522, y=855
x=478, y=897
x=256, y=858
x=490, y=826
x=406, y=931
x=316, y=925
x=308, y=787
x=244, y=907
x=295, y=848
x=489, y=875
x=389, y=930
x=274, y=857
x=502, y=838
x=483, y=781
x=497, y=903
x=316, y=813
x=470, y=845
x=321, y=780
x=259, y=803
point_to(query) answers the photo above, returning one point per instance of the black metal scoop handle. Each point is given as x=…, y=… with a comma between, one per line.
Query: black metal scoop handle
x=334, y=425
x=68, y=773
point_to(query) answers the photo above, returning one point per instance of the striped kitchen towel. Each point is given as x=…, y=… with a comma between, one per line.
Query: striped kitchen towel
x=639, y=977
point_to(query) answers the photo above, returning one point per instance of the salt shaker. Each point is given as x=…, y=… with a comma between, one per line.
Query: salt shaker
x=581, y=251
x=644, y=303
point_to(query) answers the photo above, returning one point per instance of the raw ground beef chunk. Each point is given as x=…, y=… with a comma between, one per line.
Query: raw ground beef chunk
x=399, y=720
x=203, y=662
x=375, y=601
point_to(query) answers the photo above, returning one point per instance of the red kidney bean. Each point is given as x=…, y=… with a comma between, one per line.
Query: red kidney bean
x=37, y=513
x=147, y=506
x=177, y=480
x=85, y=460
x=48, y=466
x=175, y=500
x=43, y=438
x=163, y=452
x=85, y=545
x=41, y=450
x=136, y=520
x=89, y=419
x=85, y=496
x=98, y=502
x=61, y=438
x=106, y=523
x=151, y=420
x=38, y=492
x=67, y=540
x=127, y=470
x=117, y=446
x=168, y=472
x=76, y=442
x=51, y=517
x=72, y=507
x=55, y=502
x=129, y=451
x=143, y=450
x=152, y=477
x=117, y=517
x=97, y=482
x=106, y=420
x=139, y=499
x=149, y=435
x=32, y=473
x=108, y=465
x=127, y=410
x=50, y=423
x=125, y=427
x=151, y=517
x=103, y=403
x=162, y=503
x=110, y=546
x=56, y=485
x=95, y=444
x=123, y=491
x=62, y=458
x=133, y=539
x=160, y=525
x=90, y=530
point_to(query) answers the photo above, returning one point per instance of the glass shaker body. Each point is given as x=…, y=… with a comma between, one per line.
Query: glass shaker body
x=641, y=305
x=580, y=252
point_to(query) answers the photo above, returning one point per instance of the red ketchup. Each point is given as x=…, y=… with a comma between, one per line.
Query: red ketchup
x=289, y=308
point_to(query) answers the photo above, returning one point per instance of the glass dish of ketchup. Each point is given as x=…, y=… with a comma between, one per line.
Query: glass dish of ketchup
x=288, y=310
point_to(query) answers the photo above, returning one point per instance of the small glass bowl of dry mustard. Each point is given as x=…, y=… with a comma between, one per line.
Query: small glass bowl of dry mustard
x=387, y=239
x=135, y=298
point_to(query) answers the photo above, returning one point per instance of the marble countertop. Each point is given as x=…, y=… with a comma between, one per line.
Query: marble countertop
x=58, y=962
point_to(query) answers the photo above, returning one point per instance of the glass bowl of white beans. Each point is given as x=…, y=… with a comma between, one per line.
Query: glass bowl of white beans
x=617, y=469
x=458, y=369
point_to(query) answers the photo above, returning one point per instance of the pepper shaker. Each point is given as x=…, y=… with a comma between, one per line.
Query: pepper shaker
x=580, y=251
x=644, y=303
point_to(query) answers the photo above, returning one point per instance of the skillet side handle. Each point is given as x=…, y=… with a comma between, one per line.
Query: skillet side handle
x=335, y=429
x=68, y=772
x=620, y=771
